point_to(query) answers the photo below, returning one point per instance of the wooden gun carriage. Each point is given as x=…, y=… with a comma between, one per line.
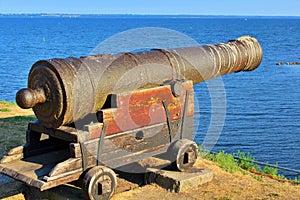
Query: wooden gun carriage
x=72, y=140
x=156, y=122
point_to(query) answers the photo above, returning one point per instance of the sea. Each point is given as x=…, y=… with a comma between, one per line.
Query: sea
x=256, y=112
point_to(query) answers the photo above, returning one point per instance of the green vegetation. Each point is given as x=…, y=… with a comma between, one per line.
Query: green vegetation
x=259, y=178
x=22, y=118
x=241, y=162
x=226, y=161
x=246, y=161
x=13, y=132
x=297, y=179
x=5, y=110
x=270, y=170
x=274, y=195
x=7, y=103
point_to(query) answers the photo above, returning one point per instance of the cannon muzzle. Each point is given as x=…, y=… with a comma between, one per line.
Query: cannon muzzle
x=62, y=91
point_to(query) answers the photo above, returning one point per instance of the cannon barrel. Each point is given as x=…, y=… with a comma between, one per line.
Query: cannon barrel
x=61, y=91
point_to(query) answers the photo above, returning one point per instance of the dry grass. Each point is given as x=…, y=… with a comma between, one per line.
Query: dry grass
x=224, y=185
x=12, y=132
x=10, y=109
x=13, y=125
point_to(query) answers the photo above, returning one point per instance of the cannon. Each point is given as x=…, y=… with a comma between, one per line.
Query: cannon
x=98, y=113
x=62, y=91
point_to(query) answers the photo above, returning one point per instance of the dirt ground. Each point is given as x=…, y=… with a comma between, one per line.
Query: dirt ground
x=13, y=110
x=224, y=185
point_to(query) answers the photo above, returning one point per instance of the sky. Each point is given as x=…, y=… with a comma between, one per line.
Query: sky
x=189, y=7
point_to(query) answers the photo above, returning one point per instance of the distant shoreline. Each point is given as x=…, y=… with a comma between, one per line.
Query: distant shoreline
x=62, y=15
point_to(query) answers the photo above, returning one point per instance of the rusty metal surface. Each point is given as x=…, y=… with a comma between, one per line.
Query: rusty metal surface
x=145, y=107
x=62, y=91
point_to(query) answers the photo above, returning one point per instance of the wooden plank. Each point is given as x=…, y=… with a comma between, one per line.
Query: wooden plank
x=68, y=165
x=94, y=130
x=21, y=171
x=51, y=157
x=15, y=151
x=132, y=141
x=42, y=185
x=23, y=167
x=13, y=155
x=112, y=159
x=44, y=146
x=21, y=177
x=113, y=156
x=75, y=150
x=60, y=181
x=137, y=156
x=120, y=150
x=31, y=170
x=139, y=139
x=11, y=158
x=71, y=164
x=62, y=175
x=64, y=132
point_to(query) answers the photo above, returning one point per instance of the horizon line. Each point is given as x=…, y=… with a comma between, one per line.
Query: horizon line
x=150, y=14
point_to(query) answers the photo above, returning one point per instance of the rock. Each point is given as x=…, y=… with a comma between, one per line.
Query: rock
x=293, y=63
x=288, y=63
x=280, y=63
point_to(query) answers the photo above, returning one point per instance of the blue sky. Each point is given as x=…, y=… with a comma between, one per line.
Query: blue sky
x=199, y=7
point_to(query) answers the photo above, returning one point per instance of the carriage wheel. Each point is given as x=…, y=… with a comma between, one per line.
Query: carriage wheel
x=185, y=153
x=99, y=183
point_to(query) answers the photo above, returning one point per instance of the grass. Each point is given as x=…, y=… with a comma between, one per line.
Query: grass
x=259, y=178
x=5, y=110
x=13, y=132
x=8, y=106
x=240, y=163
x=297, y=179
x=246, y=161
x=274, y=195
x=270, y=170
x=227, y=162
x=8, y=103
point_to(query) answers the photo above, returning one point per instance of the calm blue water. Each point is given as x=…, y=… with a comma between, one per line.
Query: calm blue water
x=263, y=106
